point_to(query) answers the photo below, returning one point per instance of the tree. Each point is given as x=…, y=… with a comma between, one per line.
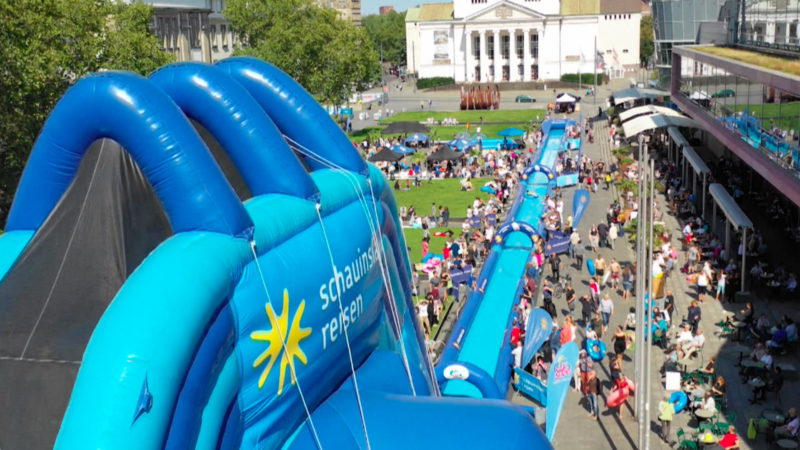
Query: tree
x=646, y=46
x=328, y=56
x=388, y=33
x=47, y=46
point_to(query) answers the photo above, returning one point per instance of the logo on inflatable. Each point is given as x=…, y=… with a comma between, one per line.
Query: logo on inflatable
x=456, y=372
x=279, y=335
x=562, y=369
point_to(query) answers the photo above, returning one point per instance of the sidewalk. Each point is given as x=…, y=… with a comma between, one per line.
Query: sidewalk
x=610, y=431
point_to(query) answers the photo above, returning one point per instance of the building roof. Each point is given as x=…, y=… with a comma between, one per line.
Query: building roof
x=620, y=6
x=579, y=7
x=412, y=15
x=435, y=11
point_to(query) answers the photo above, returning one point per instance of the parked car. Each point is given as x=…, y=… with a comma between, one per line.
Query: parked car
x=525, y=99
x=724, y=93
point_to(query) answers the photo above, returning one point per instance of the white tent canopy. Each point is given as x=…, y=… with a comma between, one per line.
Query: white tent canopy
x=678, y=137
x=700, y=95
x=653, y=121
x=647, y=109
x=728, y=205
x=695, y=160
x=566, y=98
x=627, y=95
x=736, y=217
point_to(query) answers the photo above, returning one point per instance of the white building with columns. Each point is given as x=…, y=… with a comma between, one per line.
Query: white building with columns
x=522, y=40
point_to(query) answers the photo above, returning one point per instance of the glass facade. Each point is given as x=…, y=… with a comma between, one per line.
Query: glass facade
x=764, y=117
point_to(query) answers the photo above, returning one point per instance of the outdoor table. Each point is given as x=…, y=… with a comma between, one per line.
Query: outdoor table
x=786, y=367
x=707, y=438
x=773, y=416
x=704, y=414
x=787, y=443
x=757, y=383
x=751, y=363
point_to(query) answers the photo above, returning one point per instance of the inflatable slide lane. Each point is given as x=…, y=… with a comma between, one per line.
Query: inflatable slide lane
x=200, y=259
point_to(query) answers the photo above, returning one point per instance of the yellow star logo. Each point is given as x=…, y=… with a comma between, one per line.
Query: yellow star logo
x=275, y=338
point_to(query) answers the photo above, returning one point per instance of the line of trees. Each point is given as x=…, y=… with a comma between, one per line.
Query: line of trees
x=46, y=46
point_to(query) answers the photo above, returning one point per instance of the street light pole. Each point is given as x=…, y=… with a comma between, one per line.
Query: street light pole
x=641, y=277
x=650, y=301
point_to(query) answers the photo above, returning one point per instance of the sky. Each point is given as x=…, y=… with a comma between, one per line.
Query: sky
x=371, y=6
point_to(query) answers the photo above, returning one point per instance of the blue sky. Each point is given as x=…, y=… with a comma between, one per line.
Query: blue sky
x=371, y=6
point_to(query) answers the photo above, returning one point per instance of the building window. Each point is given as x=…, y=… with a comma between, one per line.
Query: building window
x=213, y=34
x=624, y=50
x=194, y=30
x=504, y=46
x=223, y=29
x=520, y=46
x=535, y=46
x=475, y=2
x=476, y=47
x=490, y=47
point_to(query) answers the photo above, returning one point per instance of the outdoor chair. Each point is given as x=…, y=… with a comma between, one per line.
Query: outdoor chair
x=686, y=444
x=721, y=427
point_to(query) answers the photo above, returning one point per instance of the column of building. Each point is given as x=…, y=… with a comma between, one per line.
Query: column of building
x=468, y=69
x=496, y=61
x=526, y=54
x=484, y=58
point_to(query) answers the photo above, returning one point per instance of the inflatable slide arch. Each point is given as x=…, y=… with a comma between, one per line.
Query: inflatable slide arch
x=281, y=322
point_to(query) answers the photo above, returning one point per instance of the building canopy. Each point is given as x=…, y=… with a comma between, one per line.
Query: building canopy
x=732, y=211
x=647, y=110
x=653, y=121
x=627, y=95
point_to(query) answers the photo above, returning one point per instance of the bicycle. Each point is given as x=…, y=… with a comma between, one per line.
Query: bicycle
x=560, y=288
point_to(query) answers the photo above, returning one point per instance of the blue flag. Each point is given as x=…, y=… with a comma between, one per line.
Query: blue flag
x=537, y=332
x=580, y=201
x=558, y=384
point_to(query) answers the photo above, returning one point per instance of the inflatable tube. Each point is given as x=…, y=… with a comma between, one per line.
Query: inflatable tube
x=292, y=108
x=208, y=95
x=127, y=108
x=680, y=400
x=596, y=349
x=617, y=397
x=590, y=267
x=471, y=374
x=631, y=386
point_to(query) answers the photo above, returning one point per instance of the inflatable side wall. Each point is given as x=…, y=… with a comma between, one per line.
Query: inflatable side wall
x=286, y=321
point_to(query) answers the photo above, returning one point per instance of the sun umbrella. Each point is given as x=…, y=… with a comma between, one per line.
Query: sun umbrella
x=444, y=153
x=405, y=127
x=460, y=144
x=385, y=155
x=417, y=137
x=511, y=132
x=402, y=149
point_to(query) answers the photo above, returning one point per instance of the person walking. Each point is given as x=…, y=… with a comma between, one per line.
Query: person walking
x=693, y=316
x=666, y=411
x=627, y=282
x=571, y=299
x=591, y=392
x=613, y=234
x=702, y=286
x=606, y=309
x=555, y=266
x=594, y=238
x=721, y=285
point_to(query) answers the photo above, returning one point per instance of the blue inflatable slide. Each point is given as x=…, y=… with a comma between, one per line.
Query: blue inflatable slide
x=201, y=259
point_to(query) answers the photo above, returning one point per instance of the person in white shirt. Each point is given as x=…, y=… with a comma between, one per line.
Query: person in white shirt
x=695, y=344
x=685, y=335
x=767, y=361
x=517, y=353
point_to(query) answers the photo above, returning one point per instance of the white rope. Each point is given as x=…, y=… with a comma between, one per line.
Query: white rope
x=285, y=350
x=346, y=336
x=66, y=252
x=382, y=258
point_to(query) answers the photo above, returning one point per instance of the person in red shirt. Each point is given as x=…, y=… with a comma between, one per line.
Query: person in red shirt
x=730, y=441
x=515, y=334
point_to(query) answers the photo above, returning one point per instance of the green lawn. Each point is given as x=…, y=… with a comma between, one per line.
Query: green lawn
x=445, y=192
x=785, y=115
x=498, y=115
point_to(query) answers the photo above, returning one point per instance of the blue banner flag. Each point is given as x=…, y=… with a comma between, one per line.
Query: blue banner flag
x=558, y=243
x=580, y=201
x=537, y=332
x=531, y=386
x=558, y=384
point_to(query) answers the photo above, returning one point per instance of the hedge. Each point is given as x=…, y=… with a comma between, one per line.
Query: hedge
x=425, y=83
x=586, y=78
